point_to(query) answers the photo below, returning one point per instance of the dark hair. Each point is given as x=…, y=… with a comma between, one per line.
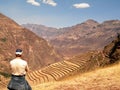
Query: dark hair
x=18, y=55
x=18, y=50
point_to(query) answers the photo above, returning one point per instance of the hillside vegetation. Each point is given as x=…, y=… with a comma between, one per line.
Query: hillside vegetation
x=101, y=79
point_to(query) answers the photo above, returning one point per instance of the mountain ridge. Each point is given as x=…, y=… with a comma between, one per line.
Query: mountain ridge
x=35, y=49
x=80, y=38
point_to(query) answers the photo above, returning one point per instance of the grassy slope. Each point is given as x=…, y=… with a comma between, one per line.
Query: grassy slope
x=102, y=79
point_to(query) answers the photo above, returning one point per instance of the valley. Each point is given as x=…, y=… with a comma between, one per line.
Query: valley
x=81, y=57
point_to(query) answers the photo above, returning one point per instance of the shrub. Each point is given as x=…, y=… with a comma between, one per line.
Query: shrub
x=7, y=75
x=3, y=39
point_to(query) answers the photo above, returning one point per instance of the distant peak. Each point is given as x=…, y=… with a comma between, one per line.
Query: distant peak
x=91, y=21
x=111, y=21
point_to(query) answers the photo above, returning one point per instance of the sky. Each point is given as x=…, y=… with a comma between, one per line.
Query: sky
x=60, y=13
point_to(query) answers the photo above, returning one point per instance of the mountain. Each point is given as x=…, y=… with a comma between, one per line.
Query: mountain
x=86, y=65
x=37, y=51
x=78, y=39
x=41, y=30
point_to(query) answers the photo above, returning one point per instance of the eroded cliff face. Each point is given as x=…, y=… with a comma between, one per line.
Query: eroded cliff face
x=112, y=50
x=37, y=51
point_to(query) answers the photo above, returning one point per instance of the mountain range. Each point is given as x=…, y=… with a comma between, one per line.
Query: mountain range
x=86, y=47
x=43, y=45
x=87, y=36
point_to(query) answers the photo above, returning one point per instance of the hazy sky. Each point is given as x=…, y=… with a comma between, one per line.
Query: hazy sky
x=60, y=13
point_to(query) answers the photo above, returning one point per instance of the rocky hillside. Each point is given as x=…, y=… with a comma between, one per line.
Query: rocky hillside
x=37, y=51
x=112, y=51
x=42, y=31
x=66, y=69
x=87, y=36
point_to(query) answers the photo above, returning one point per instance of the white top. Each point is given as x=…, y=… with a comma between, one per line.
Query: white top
x=18, y=66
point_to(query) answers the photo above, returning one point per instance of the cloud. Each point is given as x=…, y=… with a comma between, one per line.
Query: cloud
x=50, y=2
x=33, y=2
x=81, y=5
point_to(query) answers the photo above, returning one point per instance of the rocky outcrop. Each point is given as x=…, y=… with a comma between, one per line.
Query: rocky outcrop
x=112, y=51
